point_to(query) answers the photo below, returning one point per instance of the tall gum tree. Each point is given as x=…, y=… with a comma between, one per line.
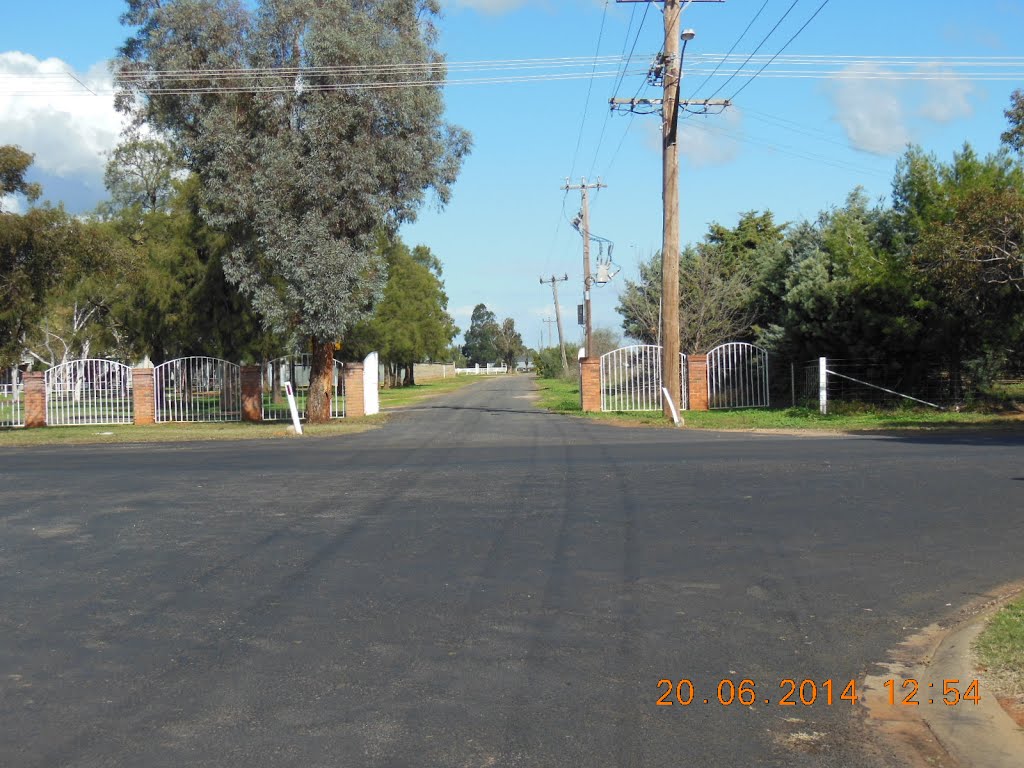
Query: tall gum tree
x=300, y=162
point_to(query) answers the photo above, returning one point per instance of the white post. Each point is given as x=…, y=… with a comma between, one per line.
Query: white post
x=823, y=385
x=371, y=384
x=291, y=404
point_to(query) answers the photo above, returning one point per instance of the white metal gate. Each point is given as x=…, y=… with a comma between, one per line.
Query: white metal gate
x=12, y=398
x=197, y=389
x=737, y=376
x=89, y=392
x=631, y=379
x=296, y=369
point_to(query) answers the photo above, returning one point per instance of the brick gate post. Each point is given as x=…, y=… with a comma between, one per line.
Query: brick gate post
x=252, y=392
x=34, y=394
x=355, y=402
x=590, y=383
x=143, y=402
x=697, y=381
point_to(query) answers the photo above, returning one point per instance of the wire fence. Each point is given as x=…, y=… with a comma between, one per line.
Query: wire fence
x=867, y=383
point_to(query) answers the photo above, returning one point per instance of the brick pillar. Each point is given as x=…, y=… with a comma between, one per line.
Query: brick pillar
x=252, y=392
x=34, y=395
x=697, y=382
x=142, y=396
x=355, y=403
x=590, y=383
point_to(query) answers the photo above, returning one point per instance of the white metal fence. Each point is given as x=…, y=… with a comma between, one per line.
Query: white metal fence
x=631, y=379
x=296, y=369
x=197, y=389
x=737, y=376
x=477, y=370
x=12, y=401
x=89, y=392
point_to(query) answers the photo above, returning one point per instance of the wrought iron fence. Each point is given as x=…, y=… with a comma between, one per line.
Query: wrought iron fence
x=631, y=379
x=89, y=392
x=197, y=389
x=12, y=389
x=738, y=376
x=296, y=369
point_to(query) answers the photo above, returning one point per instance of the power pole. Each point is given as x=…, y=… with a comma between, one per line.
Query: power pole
x=668, y=69
x=549, y=321
x=558, y=314
x=583, y=187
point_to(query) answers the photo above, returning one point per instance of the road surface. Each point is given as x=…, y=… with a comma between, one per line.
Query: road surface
x=480, y=584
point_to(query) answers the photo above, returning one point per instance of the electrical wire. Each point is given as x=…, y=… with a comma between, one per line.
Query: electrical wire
x=789, y=150
x=783, y=48
x=608, y=113
x=759, y=46
x=734, y=45
x=590, y=88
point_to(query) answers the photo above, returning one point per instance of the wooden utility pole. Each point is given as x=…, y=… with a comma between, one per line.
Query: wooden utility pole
x=670, y=75
x=583, y=187
x=670, y=365
x=549, y=321
x=558, y=314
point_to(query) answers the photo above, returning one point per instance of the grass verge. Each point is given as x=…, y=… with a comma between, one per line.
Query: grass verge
x=563, y=396
x=1000, y=651
x=170, y=433
x=405, y=396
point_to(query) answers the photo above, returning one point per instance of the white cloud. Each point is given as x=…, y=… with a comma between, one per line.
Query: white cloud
x=946, y=98
x=870, y=110
x=704, y=140
x=10, y=204
x=45, y=112
x=712, y=140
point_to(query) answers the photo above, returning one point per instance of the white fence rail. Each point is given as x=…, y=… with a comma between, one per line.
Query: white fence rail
x=197, y=389
x=737, y=376
x=477, y=370
x=12, y=399
x=89, y=392
x=296, y=369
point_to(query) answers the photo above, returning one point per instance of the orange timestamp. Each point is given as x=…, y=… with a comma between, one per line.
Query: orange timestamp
x=790, y=693
x=910, y=688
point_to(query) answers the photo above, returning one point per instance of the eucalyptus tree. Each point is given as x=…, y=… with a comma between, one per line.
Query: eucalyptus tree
x=301, y=161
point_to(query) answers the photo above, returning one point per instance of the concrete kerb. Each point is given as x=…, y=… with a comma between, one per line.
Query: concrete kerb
x=982, y=735
x=965, y=735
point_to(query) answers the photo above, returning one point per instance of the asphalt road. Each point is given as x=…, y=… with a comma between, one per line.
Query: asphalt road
x=479, y=584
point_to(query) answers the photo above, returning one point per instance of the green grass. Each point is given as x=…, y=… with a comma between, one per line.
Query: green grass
x=164, y=433
x=405, y=396
x=1000, y=650
x=562, y=396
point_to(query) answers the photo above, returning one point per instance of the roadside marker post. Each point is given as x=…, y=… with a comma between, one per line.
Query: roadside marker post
x=291, y=404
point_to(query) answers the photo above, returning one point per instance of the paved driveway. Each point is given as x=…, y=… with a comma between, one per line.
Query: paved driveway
x=478, y=584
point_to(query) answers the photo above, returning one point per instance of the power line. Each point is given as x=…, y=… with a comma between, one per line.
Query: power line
x=794, y=37
x=608, y=114
x=759, y=46
x=590, y=88
x=738, y=41
x=788, y=150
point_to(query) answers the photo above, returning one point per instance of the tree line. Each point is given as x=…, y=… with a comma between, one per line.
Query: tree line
x=933, y=275
x=256, y=199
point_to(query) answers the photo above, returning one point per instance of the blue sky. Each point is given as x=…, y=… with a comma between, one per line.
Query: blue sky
x=791, y=143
